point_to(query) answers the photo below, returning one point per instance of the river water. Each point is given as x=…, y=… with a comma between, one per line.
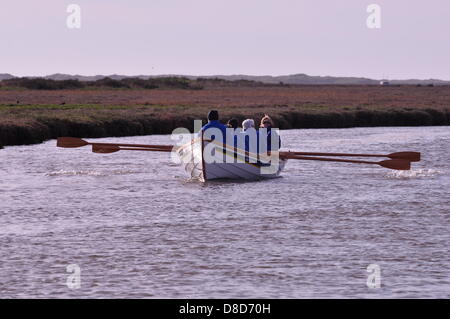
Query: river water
x=133, y=226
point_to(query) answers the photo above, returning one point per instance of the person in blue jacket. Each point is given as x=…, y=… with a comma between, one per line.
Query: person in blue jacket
x=213, y=122
x=212, y=131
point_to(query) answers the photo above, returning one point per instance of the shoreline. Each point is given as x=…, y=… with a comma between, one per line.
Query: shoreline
x=33, y=116
x=43, y=128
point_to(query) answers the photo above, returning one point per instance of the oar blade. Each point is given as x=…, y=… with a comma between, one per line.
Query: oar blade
x=104, y=149
x=396, y=164
x=70, y=142
x=407, y=156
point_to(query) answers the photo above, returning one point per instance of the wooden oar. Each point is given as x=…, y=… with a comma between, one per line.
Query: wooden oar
x=392, y=164
x=400, y=161
x=407, y=156
x=104, y=149
x=71, y=142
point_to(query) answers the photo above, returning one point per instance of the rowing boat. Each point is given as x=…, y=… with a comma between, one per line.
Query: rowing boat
x=205, y=160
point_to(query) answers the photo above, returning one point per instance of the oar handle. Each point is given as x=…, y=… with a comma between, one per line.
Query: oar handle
x=334, y=154
x=72, y=142
x=105, y=149
x=144, y=149
x=133, y=145
x=407, y=156
x=324, y=159
x=392, y=164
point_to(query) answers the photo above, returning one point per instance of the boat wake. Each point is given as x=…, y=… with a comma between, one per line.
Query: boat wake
x=417, y=173
x=90, y=172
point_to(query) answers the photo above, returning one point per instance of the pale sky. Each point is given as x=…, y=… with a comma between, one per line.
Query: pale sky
x=207, y=37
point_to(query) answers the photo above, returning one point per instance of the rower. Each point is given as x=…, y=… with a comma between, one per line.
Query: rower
x=214, y=125
x=248, y=138
x=213, y=130
x=267, y=123
x=233, y=125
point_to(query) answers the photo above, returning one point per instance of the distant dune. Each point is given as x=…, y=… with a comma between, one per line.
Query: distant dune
x=6, y=76
x=293, y=79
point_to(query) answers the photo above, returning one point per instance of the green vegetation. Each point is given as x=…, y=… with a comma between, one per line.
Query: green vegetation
x=126, y=83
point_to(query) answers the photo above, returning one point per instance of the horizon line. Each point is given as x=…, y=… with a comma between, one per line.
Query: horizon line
x=224, y=74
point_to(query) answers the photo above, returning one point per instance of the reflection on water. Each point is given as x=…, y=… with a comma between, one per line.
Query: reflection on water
x=138, y=228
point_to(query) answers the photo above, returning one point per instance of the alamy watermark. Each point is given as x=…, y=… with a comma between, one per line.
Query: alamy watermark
x=73, y=20
x=374, y=277
x=74, y=279
x=374, y=19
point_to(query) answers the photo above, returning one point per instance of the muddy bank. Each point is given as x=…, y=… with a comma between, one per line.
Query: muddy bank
x=39, y=129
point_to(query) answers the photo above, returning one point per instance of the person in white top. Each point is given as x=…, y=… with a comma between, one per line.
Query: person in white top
x=248, y=123
x=248, y=138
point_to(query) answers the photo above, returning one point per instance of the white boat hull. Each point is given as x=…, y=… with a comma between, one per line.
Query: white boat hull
x=226, y=165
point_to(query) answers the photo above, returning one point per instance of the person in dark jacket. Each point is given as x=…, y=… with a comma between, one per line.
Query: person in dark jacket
x=233, y=123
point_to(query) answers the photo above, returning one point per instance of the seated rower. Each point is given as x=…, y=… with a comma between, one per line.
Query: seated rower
x=214, y=127
x=233, y=123
x=248, y=138
x=267, y=123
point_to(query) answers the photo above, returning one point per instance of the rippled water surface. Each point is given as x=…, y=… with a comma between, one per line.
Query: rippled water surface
x=137, y=228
